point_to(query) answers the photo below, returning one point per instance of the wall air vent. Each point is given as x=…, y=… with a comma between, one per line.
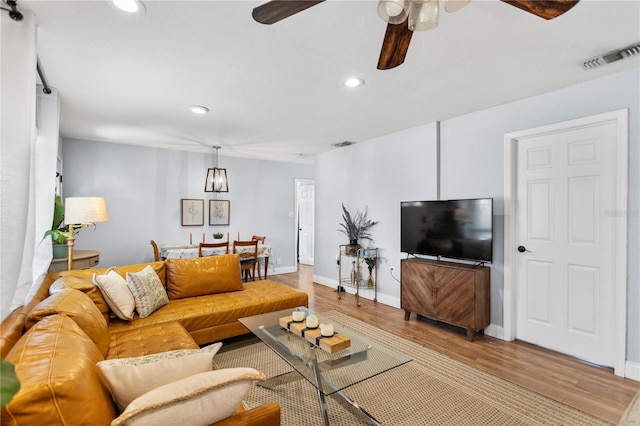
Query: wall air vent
x=607, y=58
x=341, y=144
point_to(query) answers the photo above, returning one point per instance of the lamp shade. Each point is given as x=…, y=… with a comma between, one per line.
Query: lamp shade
x=423, y=15
x=393, y=11
x=79, y=210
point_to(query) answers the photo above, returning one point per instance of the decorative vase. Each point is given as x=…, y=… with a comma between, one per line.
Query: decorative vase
x=352, y=248
x=370, y=280
x=59, y=251
x=354, y=274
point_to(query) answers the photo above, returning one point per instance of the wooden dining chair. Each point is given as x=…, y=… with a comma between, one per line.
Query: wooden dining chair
x=248, y=258
x=156, y=254
x=224, y=245
x=260, y=239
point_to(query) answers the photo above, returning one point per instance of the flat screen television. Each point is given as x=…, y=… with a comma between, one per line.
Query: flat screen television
x=456, y=229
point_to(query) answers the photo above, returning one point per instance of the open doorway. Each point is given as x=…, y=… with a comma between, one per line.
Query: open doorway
x=304, y=220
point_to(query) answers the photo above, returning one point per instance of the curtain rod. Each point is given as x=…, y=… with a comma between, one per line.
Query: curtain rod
x=46, y=88
x=13, y=12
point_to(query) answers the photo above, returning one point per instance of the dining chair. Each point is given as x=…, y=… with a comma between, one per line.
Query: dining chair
x=260, y=239
x=156, y=254
x=248, y=258
x=224, y=245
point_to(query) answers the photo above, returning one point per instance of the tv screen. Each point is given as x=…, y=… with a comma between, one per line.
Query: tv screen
x=457, y=229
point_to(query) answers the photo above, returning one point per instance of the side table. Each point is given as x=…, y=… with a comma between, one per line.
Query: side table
x=82, y=259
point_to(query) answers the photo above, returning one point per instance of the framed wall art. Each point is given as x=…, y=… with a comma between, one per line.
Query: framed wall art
x=219, y=212
x=192, y=212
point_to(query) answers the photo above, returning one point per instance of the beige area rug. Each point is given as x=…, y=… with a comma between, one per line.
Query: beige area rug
x=432, y=389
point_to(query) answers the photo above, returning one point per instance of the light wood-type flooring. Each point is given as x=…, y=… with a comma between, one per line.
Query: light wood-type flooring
x=592, y=389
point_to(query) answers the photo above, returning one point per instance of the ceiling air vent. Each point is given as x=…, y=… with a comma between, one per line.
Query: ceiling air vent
x=616, y=55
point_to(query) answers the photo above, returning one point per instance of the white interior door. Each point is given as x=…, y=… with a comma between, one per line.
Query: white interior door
x=565, y=238
x=305, y=190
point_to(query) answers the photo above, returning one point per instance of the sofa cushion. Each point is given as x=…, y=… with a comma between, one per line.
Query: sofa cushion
x=80, y=308
x=147, y=290
x=203, y=275
x=129, y=378
x=116, y=293
x=150, y=339
x=84, y=285
x=201, y=399
x=59, y=381
x=215, y=310
x=159, y=267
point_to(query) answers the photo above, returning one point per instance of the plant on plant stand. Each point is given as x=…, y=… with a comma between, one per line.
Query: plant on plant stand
x=355, y=227
x=59, y=233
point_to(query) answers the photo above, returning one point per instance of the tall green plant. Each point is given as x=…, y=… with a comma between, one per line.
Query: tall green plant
x=356, y=226
x=59, y=233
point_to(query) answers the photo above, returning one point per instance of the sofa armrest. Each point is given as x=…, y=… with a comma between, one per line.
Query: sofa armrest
x=264, y=415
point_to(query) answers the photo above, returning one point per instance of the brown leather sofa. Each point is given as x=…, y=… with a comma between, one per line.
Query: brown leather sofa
x=56, y=340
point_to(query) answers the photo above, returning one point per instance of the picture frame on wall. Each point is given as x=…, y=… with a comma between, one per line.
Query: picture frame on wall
x=219, y=212
x=192, y=212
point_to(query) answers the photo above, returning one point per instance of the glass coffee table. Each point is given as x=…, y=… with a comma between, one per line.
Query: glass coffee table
x=330, y=373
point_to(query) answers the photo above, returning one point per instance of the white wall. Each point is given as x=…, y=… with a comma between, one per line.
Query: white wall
x=377, y=175
x=143, y=188
x=472, y=158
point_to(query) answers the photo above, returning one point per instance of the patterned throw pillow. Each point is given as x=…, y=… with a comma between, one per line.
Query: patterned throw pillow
x=129, y=378
x=147, y=291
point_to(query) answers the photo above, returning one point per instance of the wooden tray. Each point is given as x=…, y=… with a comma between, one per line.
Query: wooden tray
x=332, y=344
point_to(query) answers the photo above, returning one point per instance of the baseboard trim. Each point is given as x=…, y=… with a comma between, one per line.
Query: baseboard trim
x=494, y=330
x=283, y=270
x=632, y=370
x=365, y=293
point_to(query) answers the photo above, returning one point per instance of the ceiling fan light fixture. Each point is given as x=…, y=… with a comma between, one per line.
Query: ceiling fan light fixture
x=423, y=15
x=454, y=5
x=393, y=11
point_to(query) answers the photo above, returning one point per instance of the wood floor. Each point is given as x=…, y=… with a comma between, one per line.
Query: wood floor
x=592, y=389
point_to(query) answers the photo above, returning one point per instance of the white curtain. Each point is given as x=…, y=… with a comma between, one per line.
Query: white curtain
x=26, y=199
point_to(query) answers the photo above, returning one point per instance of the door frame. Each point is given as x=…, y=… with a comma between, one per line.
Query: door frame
x=296, y=183
x=620, y=118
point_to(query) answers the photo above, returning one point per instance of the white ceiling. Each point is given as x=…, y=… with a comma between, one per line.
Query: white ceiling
x=276, y=92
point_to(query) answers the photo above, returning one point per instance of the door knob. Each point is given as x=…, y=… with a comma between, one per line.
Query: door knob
x=522, y=249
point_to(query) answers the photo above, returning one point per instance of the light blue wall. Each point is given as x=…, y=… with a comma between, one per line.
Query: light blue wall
x=143, y=188
x=401, y=166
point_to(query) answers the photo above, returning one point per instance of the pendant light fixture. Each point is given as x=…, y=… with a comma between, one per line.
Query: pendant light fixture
x=216, y=180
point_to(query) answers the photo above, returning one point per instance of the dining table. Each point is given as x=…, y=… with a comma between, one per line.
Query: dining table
x=185, y=251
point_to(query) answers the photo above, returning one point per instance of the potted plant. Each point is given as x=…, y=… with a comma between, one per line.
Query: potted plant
x=218, y=236
x=59, y=232
x=355, y=227
x=10, y=385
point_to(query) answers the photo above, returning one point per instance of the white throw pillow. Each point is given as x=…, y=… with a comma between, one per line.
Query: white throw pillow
x=199, y=400
x=128, y=378
x=147, y=290
x=116, y=293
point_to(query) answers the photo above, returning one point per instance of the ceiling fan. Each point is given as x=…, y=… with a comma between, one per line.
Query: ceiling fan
x=404, y=17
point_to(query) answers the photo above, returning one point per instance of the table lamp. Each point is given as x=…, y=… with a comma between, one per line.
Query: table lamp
x=80, y=212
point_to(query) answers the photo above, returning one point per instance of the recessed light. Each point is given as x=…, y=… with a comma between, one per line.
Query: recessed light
x=353, y=82
x=197, y=109
x=129, y=6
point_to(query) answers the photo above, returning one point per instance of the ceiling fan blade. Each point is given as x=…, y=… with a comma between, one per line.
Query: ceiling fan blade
x=542, y=8
x=276, y=10
x=395, y=45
